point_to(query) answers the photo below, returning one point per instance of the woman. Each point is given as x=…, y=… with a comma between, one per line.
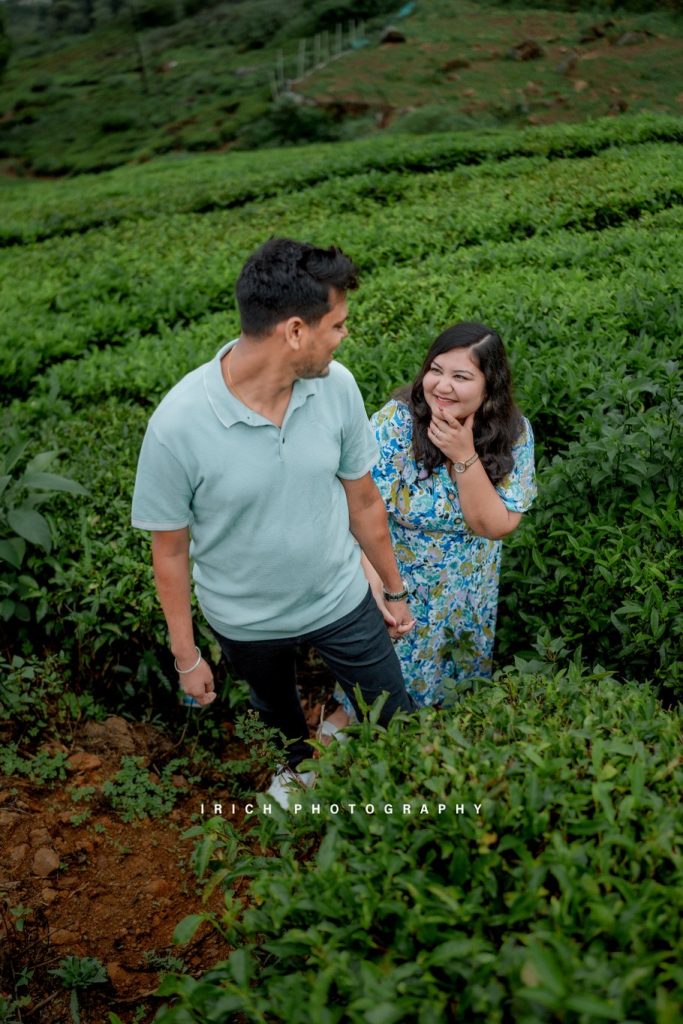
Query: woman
x=456, y=471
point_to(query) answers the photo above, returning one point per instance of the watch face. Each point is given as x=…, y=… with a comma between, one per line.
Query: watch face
x=459, y=467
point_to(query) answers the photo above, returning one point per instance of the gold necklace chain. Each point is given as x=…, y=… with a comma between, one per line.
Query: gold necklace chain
x=230, y=382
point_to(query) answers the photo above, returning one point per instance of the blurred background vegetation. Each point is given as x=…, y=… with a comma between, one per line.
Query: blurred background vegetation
x=91, y=84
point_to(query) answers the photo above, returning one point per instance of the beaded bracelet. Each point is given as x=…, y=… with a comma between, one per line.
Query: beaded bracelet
x=184, y=671
x=401, y=596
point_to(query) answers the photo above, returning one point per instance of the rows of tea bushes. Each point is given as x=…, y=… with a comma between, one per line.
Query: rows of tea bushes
x=570, y=256
x=559, y=899
x=197, y=184
x=107, y=286
x=551, y=296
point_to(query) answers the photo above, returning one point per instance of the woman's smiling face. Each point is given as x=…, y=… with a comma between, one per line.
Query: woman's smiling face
x=454, y=384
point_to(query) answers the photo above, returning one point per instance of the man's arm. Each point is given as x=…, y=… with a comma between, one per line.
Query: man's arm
x=368, y=524
x=171, y=562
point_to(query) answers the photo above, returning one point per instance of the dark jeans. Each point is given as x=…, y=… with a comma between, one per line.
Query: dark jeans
x=358, y=650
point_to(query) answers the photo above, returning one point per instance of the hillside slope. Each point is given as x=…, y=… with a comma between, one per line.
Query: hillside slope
x=73, y=103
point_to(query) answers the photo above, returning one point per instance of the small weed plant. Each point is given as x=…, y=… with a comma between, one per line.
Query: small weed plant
x=77, y=973
x=134, y=794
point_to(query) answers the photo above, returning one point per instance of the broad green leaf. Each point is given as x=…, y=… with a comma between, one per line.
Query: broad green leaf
x=385, y=1013
x=175, y=984
x=225, y=1004
x=203, y=854
x=32, y=526
x=326, y=853
x=12, y=550
x=376, y=709
x=595, y=1007
x=186, y=928
x=7, y=609
x=13, y=456
x=41, y=461
x=241, y=965
x=542, y=970
x=452, y=949
x=52, y=482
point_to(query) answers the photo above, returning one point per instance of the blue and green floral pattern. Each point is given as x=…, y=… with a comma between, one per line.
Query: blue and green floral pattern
x=451, y=573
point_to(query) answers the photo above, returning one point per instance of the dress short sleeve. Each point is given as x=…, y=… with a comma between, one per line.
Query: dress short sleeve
x=393, y=427
x=518, y=488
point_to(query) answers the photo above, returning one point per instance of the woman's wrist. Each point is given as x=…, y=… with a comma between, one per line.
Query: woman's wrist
x=459, y=466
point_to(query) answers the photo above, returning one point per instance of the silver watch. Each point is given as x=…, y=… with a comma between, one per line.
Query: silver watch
x=460, y=467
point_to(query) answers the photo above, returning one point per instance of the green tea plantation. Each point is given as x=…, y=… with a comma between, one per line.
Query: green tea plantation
x=560, y=899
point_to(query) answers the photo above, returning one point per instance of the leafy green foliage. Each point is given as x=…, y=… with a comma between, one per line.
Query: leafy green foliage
x=10, y=1009
x=264, y=747
x=76, y=973
x=555, y=899
x=601, y=558
x=134, y=793
x=5, y=44
x=613, y=5
x=23, y=523
x=124, y=281
x=95, y=86
x=33, y=698
x=210, y=182
x=40, y=768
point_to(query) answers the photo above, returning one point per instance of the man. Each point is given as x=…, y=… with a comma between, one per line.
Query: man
x=256, y=466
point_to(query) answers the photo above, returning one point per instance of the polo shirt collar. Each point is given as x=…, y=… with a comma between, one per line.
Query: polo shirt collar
x=229, y=410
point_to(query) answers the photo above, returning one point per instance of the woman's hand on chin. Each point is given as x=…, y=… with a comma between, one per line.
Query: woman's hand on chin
x=450, y=436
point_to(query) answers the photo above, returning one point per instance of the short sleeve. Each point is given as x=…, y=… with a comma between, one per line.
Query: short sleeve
x=518, y=488
x=392, y=426
x=358, y=452
x=163, y=494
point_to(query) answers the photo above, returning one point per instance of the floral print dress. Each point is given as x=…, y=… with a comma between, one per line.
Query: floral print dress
x=451, y=573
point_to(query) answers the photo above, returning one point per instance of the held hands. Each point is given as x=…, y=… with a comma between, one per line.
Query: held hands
x=399, y=619
x=396, y=614
x=450, y=436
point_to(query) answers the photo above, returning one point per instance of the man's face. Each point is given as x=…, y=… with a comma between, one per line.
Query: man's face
x=320, y=340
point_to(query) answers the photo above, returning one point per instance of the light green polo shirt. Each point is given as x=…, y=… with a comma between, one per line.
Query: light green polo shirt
x=270, y=543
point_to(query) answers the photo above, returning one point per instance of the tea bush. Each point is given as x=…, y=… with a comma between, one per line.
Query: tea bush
x=561, y=238
x=560, y=899
x=201, y=184
x=27, y=530
x=112, y=286
x=601, y=559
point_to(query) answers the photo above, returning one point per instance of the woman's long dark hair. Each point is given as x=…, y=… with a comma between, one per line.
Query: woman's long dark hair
x=497, y=421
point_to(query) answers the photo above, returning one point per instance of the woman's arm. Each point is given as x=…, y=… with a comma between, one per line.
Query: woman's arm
x=483, y=508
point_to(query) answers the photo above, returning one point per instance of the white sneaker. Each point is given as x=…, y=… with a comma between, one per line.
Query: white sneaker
x=328, y=728
x=287, y=781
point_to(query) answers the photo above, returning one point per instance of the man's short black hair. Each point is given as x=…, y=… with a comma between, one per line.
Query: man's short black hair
x=286, y=278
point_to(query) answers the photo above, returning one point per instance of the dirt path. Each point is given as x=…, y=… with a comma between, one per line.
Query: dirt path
x=100, y=888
